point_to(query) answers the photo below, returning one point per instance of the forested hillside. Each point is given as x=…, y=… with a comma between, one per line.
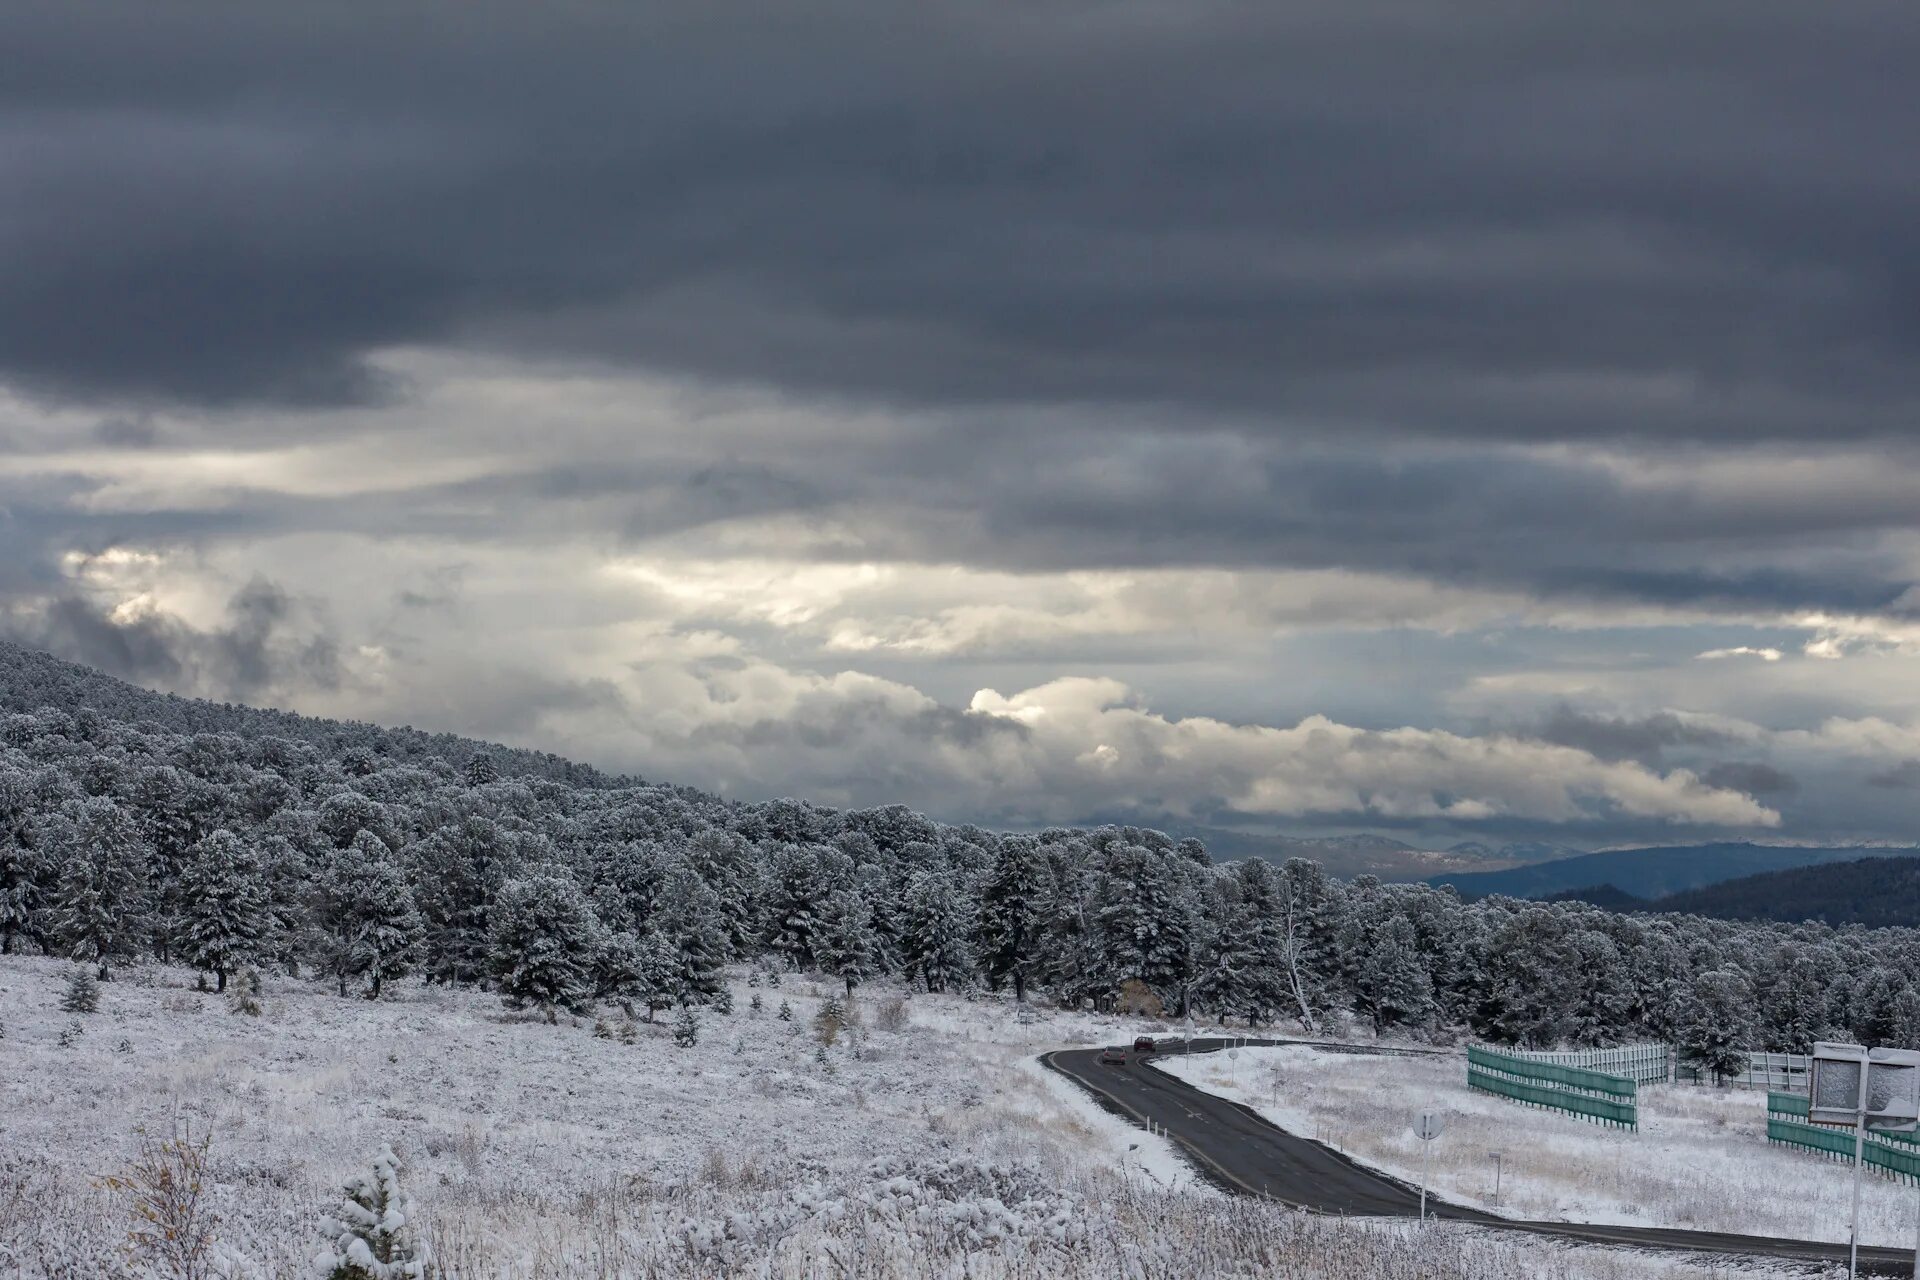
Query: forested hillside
x=133, y=826
x=1876, y=892
x=1651, y=873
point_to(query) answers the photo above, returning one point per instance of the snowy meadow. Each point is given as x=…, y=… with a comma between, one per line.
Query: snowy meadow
x=924, y=1140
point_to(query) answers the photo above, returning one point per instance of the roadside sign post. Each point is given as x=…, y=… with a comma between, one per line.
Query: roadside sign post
x=1428, y=1127
x=1861, y=1088
x=1498, y=1160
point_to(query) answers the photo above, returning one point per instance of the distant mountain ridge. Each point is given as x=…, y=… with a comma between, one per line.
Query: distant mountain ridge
x=1386, y=857
x=1653, y=873
x=1876, y=892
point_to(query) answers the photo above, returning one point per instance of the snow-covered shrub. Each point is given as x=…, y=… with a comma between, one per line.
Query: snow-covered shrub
x=70, y=1035
x=243, y=993
x=372, y=1236
x=786, y=1012
x=686, y=1029
x=82, y=994
x=829, y=1021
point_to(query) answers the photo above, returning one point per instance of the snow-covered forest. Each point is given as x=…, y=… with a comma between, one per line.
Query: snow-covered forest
x=136, y=825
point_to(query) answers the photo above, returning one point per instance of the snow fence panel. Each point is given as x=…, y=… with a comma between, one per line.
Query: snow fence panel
x=1567, y=1077
x=1898, y=1158
x=1649, y=1063
x=1592, y=1095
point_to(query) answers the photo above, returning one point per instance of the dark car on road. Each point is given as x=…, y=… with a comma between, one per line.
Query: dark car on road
x=1114, y=1054
x=1143, y=1044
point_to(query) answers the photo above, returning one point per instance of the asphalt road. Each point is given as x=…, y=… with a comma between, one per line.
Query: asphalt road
x=1242, y=1153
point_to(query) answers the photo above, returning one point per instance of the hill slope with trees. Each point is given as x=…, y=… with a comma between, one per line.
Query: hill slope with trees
x=134, y=826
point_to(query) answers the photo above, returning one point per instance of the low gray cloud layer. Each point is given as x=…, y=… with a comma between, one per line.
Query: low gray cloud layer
x=745, y=393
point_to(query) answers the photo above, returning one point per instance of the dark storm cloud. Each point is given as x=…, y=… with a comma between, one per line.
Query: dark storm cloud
x=1641, y=738
x=1904, y=776
x=1487, y=219
x=1753, y=777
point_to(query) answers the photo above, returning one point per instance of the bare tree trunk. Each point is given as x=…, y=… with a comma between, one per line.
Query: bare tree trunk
x=1293, y=966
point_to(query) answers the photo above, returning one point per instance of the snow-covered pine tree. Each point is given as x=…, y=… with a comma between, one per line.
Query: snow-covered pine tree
x=690, y=921
x=366, y=922
x=100, y=908
x=686, y=1028
x=632, y=969
x=1010, y=923
x=459, y=870
x=724, y=861
x=225, y=917
x=26, y=877
x=480, y=770
x=846, y=946
x=372, y=1234
x=1394, y=983
x=1794, y=1010
x=1142, y=921
x=795, y=885
x=544, y=940
x=937, y=933
x=1716, y=1024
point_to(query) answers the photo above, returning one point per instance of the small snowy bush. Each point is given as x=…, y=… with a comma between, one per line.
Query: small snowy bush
x=243, y=993
x=686, y=1029
x=371, y=1235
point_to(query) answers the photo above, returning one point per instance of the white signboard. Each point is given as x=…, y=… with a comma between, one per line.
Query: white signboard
x=1429, y=1126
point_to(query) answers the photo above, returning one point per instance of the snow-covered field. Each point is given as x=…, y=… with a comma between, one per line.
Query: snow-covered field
x=934, y=1147
x=1700, y=1159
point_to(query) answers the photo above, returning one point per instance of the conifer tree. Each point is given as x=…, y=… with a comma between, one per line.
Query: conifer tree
x=82, y=994
x=26, y=876
x=544, y=939
x=848, y=949
x=459, y=870
x=1011, y=926
x=372, y=1235
x=1142, y=922
x=100, y=909
x=1394, y=985
x=1716, y=1024
x=366, y=922
x=936, y=933
x=686, y=1028
x=691, y=924
x=225, y=917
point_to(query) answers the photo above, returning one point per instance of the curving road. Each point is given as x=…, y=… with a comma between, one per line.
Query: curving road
x=1240, y=1152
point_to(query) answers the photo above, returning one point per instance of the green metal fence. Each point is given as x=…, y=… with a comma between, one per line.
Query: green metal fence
x=1594, y=1095
x=1895, y=1154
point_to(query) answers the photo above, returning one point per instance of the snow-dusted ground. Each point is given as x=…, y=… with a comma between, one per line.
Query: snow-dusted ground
x=939, y=1148
x=1700, y=1159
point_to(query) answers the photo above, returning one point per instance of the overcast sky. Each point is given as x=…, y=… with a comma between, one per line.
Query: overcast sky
x=1466, y=421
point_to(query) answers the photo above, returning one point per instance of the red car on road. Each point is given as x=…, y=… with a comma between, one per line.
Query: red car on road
x=1144, y=1044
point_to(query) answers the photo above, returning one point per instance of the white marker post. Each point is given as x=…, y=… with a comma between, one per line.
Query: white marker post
x=1428, y=1127
x=1498, y=1160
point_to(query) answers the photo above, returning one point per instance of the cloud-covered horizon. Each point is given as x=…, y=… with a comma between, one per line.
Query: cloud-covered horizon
x=1344, y=416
